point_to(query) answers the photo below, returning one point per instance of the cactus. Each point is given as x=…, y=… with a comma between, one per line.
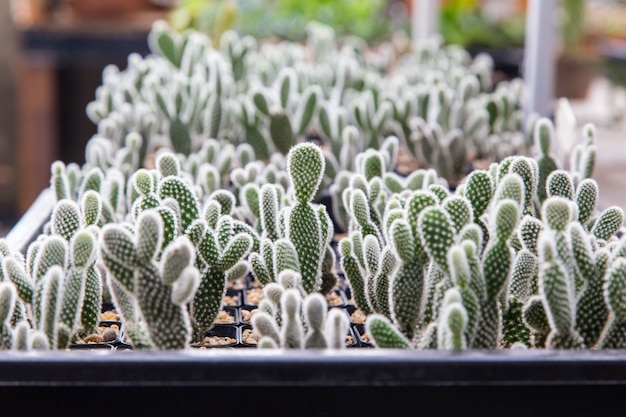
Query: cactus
x=613, y=335
x=452, y=323
x=555, y=288
x=287, y=120
x=220, y=250
x=161, y=290
x=592, y=312
x=304, y=228
x=433, y=268
x=497, y=264
x=8, y=298
x=544, y=136
x=384, y=334
x=323, y=330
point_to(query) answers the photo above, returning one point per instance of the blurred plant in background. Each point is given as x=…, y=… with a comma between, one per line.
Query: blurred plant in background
x=468, y=23
x=285, y=19
x=212, y=17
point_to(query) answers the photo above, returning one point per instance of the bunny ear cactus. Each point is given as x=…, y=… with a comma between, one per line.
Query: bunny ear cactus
x=544, y=136
x=314, y=310
x=586, y=199
x=349, y=258
x=559, y=183
x=220, y=250
x=497, y=263
x=557, y=213
x=384, y=334
x=59, y=182
x=452, y=322
x=614, y=334
x=167, y=164
x=535, y=317
x=583, y=155
x=66, y=219
x=558, y=297
x=336, y=327
x=176, y=188
x=592, y=312
x=528, y=171
x=305, y=166
x=8, y=299
x=469, y=303
x=15, y=272
x=528, y=233
x=479, y=191
x=437, y=235
x=82, y=294
x=166, y=42
x=407, y=283
x=608, y=223
x=363, y=213
x=52, y=252
x=161, y=291
x=51, y=299
x=287, y=328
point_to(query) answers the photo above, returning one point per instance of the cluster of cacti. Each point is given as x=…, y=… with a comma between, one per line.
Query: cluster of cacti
x=288, y=321
x=545, y=273
x=436, y=100
x=58, y=282
x=206, y=166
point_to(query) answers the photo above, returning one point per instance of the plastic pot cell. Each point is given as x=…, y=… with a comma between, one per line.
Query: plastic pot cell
x=351, y=339
x=246, y=312
x=91, y=346
x=253, y=295
x=361, y=335
x=228, y=315
x=336, y=298
x=354, y=314
x=233, y=297
x=220, y=336
x=249, y=338
x=108, y=333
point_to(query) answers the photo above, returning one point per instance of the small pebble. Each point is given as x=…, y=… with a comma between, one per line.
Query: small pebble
x=224, y=318
x=94, y=338
x=110, y=315
x=334, y=299
x=232, y=301
x=254, y=295
x=358, y=317
x=110, y=335
x=218, y=341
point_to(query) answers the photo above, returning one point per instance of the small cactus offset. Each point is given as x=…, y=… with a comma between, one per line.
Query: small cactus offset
x=544, y=136
x=304, y=323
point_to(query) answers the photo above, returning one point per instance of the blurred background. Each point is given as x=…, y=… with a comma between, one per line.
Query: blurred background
x=52, y=53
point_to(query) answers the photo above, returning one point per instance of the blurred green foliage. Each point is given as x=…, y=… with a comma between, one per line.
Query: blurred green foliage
x=282, y=18
x=212, y=17
x=463, y=22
